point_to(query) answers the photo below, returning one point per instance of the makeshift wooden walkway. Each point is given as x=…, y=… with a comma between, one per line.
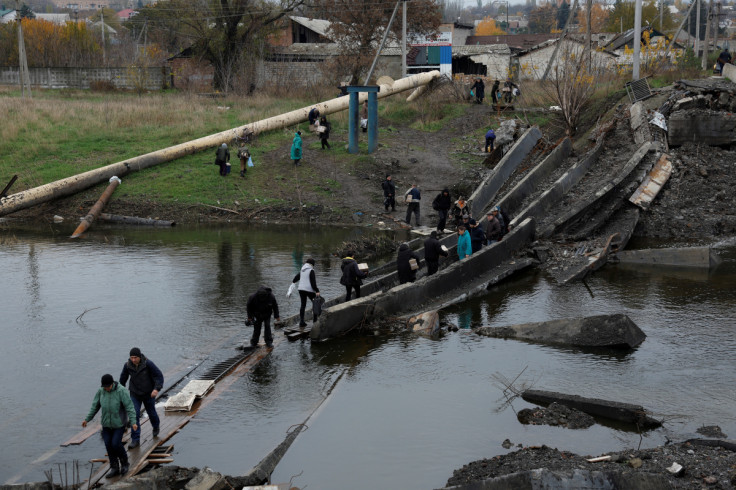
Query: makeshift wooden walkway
x=150, y=449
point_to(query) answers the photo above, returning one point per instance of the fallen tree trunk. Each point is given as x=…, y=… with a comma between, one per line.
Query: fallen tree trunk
x=134, y=220
x=95, y=211
x=76, y=183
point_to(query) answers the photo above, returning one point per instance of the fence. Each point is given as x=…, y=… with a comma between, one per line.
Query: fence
x=154, y=78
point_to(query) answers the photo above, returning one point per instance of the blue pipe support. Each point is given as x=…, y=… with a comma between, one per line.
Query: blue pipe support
x=372, y=121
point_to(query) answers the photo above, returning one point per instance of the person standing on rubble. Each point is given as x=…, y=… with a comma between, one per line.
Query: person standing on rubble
x=146, y=380
x=432, y=252
x=111, y=398
x=260, y=306
x=389, y=193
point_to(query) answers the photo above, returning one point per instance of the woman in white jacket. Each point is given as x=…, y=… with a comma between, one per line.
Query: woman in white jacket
x=307, y=286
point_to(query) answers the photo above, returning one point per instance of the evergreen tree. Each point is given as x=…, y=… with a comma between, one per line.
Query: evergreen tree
x=26, y=12
x=562, y=14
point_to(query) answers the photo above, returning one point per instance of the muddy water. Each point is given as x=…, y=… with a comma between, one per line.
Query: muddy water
x=400, y=411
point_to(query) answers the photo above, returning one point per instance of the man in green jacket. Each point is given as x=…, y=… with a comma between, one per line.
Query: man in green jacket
x=111, y=397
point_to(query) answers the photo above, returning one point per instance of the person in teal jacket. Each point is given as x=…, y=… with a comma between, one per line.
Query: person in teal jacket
x=464, y=248
x=296, y=148
x=111, y=397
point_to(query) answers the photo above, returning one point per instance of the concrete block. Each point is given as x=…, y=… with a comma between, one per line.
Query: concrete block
x=684, y=103
x=702, y=126
x=204, y=480
x=729, y=71
x=610, y=331
x=702, y=257
x=638, y=115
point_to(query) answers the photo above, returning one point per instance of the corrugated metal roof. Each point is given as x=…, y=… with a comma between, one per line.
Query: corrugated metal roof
x=468, y=50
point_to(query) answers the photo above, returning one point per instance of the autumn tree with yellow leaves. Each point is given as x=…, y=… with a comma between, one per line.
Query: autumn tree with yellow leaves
x=488, y=27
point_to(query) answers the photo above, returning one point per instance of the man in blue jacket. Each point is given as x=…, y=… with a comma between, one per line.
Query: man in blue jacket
x=146, y=380
x=416, y=198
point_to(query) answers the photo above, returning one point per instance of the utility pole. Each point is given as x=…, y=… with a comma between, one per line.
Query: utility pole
x=102, y=24
x=637, y=40
x=23, y=76
x=588, y=37
x=403, y=42
x=661, y=13
x=697, y=30
x=706, y=47
x=718, y=21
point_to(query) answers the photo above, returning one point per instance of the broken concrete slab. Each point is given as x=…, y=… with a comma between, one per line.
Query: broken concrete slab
x=427, y=323
x=204, y=480
x=609, y=331
x=515, y=197
x=622, y=412
x=483, y=196
x=702, y=126
x=409, y=297
x=702, y=257
x=591, y=480
x=653, y=183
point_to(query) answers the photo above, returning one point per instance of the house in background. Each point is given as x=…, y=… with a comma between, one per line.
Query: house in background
x=59, y=19
x=126, y=14
x=531, y=64
x=7, y=15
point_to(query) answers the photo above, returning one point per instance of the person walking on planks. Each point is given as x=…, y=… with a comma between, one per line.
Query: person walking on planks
x=407, y=272
x=442, y=204
x=261, y=305
x=146, y=380
x=307, y=286
x=464, y=248
x=351, y=276
x=111, y=398
x=296, y=148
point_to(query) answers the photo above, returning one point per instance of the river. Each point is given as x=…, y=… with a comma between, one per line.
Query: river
x=391, y=411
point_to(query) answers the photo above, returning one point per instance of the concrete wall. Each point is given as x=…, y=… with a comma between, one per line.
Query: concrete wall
x=309, y=72
x=729, y=71
x=533, y=64
x=407, y=297
x=701, y=126
x=515, y=197
x=483, y=196
x=154, y=78
x=679, y=257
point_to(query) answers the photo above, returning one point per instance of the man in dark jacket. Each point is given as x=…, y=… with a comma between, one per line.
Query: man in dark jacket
x=389, y=193
x=146, y=380
x=492, y=228
x=477, y=237
x=442, y=204
x=351, y=276
x=432, y=252
x=403, y=266
x=222, y=158
x=112, y=399
x=413, y=196
x=261, y=305
x=494, y=92
x=480, y=90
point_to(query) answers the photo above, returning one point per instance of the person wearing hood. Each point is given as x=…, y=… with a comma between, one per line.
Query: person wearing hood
x=490, y=140
x=110, y=398
x=222, y=159
x=460, y=210
x=463, y=243
x=477, y=237
x=296, y=148
x=403, y=266
x=146, y=380
x=324, y=132
x=307, y=287
x=442, y=204
x=389, y=193
x=432, y=252
x=260, y=306
x=351, y=276
x=480, y=88
x=494, y=92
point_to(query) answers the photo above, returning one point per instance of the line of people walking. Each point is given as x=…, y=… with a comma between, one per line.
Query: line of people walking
x=120, y=407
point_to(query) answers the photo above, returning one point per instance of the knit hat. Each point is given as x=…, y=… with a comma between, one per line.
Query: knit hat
x=107, y=380
x=135, y=351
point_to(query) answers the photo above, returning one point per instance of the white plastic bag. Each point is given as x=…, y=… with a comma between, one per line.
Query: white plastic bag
x=291, y=290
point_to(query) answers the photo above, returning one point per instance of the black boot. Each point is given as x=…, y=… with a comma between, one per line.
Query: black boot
x=114, y=470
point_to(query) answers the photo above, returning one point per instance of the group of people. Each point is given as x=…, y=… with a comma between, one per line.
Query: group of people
x=507, y=94
x=120, y=407
x=321, y=125
x=472, y=236
x=222, y=159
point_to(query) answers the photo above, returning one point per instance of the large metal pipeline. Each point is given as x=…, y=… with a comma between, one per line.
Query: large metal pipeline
x=95, y=211
x=72, y=185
